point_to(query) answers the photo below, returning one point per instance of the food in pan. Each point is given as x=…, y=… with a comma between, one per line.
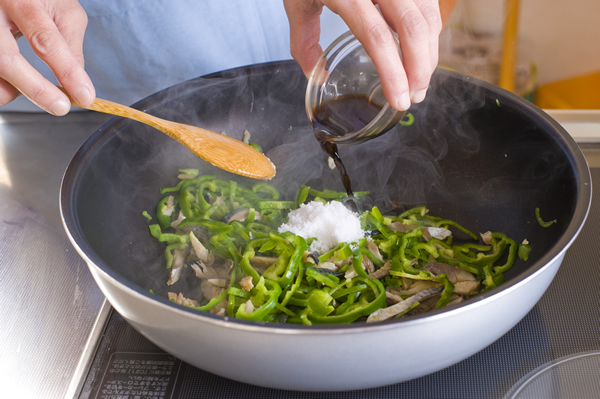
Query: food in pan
x=258, y=257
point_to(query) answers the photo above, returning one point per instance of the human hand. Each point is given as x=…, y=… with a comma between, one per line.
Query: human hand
x=417, y=22
x=55, y=30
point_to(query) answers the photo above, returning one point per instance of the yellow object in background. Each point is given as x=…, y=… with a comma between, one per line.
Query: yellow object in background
x=582, y=92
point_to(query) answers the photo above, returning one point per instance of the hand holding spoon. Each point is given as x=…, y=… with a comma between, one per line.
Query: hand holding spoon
x=217, y=149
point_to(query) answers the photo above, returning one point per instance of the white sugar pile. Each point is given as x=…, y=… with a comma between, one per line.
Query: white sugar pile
x=329, y=223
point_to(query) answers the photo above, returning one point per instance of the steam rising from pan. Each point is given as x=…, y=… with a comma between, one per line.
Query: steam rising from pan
x=435, y=161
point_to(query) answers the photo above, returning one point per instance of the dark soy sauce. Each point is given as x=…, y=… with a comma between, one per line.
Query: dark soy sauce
x=337, y=118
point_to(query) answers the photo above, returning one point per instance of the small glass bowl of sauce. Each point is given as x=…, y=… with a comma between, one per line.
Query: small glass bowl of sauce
x=344, y=98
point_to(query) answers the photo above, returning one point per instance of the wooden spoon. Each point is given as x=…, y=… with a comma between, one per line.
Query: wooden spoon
x=217, y=149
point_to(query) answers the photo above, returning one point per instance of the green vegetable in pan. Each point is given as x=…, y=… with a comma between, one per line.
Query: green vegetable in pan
x=236, y=244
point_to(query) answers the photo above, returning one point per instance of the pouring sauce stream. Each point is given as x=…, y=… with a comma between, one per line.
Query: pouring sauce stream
x=338, y=117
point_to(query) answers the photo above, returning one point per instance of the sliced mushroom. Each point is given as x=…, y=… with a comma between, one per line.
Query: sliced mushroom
x=210, y=292
x=239, y=214
x=374, y=249
x=367, y=264
x=246, y=283
x=179, y=219
x=262, y=263
x=467, y=288
x=392, y=299
x=383, y=271
x=437, y=232
x=391, y=311
x=249, y=306
x=430, y=303
x=401, y=227
x=454, y=273
x=486, y=237
x=181, y=300
x=219, y=282
x=416, y=287
x=328, y=266
x=179, y=256
x=201, y=252
x=170, y=206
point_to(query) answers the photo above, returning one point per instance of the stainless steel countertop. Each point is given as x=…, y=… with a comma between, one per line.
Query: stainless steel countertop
x=49, y=299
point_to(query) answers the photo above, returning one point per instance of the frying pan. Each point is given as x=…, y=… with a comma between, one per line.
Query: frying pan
x=475, y=153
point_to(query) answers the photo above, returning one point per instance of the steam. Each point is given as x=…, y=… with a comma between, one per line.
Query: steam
x=404, y=166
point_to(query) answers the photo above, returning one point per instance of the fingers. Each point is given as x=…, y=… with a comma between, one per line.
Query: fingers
x=305, y=30
x=57, y=39
x=373, y=32
x=418, y=25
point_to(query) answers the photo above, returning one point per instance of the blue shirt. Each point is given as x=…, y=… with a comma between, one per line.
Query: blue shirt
x=133, y=48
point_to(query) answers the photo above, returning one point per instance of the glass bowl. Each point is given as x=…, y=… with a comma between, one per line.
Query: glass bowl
x=345, y=69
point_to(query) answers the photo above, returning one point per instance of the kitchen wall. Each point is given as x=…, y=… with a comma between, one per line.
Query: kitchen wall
x=562, y=37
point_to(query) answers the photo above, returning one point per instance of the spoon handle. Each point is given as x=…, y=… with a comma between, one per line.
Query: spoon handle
x=112, y=108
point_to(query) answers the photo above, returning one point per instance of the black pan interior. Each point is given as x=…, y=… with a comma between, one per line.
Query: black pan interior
x=475, y=154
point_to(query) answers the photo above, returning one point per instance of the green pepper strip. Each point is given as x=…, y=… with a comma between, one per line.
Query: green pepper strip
x=258, y=229
x=214, y=226
x=319, y=303
x=489, y=279
x=294, y=287
x=266, y=188
x=231, y=299
x=238, y=292
x=377, y=214
x=155, y=230
x=325, y=279
x=419, y=210
x=218, y=210
x=182, y=238
x=330, y=194
x=524, y=251
x=414, y=233
x=267, y=294
x=147, y=216
x=382, y=229
x=279, y=205
x=430, y=248
x=350, y=290
x=169, y=254
x=232, y=187
x=240, y=230
x=285, y=278
x=446, y=293
x=249, y=252
x=456, y=262
x=185, y=202
x=163, y=220
x=285, y=310
x=212, y=303
x=409, y=119
x=172, y=189
x=389, y=246
x=302, y=195
x=541, y=222
x=200, y=194
x=357, y=263
x=448, y=222
x=481, y=259
x=359, y=311
x=512, y=252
